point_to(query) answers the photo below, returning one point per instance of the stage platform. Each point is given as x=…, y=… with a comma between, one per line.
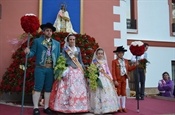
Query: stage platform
x=153, y=105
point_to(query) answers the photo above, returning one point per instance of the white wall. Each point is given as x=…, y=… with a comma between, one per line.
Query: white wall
x=121, y=26
x=160, y=61
x=153, y=21
x=153, y=25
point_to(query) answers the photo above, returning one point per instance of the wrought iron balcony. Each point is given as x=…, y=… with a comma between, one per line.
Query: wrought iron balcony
x=131, y=24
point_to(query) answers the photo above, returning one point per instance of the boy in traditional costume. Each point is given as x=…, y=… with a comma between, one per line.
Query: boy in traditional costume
x=120, y=71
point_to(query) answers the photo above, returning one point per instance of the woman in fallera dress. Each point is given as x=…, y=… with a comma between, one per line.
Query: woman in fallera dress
x=103, y=100
x=70, y=95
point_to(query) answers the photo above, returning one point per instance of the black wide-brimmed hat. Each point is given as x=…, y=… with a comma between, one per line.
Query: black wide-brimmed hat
x=120, y=49
x=48, y=25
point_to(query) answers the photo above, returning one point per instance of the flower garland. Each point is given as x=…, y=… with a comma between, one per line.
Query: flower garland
x=60, y=67
x=30, y=23
x=12, y=79
x=137, y=48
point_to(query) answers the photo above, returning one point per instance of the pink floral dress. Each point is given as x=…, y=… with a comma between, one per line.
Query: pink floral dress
x=69, y=95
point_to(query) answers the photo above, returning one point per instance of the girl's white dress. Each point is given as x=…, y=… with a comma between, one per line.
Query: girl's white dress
x=104, y=100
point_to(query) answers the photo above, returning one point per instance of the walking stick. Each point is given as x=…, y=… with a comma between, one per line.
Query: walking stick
x=24, y=78
x=137, y=48
x=137, y=86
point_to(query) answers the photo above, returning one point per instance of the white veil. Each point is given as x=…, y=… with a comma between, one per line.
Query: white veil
x=95, y=55
x=65, y=40
x=66, y=44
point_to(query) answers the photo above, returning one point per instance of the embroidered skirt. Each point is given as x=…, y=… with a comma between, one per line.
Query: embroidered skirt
x=69, y=95
x=104, y=100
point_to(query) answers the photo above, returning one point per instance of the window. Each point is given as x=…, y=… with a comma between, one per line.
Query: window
x=172, y=17
x=131, y=15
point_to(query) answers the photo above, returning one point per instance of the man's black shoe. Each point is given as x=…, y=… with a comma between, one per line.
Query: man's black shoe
x=137, y=98
x=48, y=111
x=36, y=111
x=141, y=98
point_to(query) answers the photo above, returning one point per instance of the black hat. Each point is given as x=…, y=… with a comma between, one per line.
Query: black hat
x=48, y=25
x=120, y=49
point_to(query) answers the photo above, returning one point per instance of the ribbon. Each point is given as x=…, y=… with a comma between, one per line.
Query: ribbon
x=72, y=56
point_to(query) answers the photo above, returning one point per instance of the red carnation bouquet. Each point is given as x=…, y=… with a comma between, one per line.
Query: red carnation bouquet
x=30, y=23
x=137, y=48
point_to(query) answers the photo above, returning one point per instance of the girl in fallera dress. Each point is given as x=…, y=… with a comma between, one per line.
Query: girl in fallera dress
x=103, y=100
x=70, y=95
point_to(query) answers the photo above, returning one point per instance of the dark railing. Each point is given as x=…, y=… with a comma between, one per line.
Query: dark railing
x=131, y=24
x=173, y=27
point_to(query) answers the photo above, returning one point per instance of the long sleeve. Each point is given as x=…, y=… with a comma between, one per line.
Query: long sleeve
x=160, y=86
x=114, y=70
x=168, y=86
x=130, y=67
x=33, y=49
x=143, y=56
x=133, y=59
x=108, y=71
x=63, y=52
x=55, y=51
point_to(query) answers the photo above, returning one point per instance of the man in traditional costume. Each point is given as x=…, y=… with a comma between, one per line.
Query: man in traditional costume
x=139, y=74
x=46, y=50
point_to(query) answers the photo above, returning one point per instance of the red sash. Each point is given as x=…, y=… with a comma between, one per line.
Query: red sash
x=95, y=61
x=72, y=56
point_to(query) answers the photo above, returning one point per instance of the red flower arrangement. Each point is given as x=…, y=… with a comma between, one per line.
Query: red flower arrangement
x=30, y=23
x=13, y=77
x=137, y=48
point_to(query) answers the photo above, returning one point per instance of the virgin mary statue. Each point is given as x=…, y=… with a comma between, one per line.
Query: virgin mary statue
x=62, y=22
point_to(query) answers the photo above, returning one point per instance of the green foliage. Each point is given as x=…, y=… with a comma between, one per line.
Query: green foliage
x=60, y=67
x=92, y=74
